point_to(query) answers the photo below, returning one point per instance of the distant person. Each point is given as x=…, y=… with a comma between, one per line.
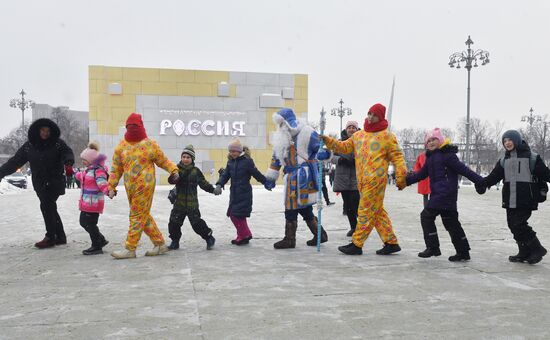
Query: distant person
x=47, y=154
x=69, y=173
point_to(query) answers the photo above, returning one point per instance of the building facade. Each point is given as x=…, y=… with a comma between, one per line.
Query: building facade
x=204, y=108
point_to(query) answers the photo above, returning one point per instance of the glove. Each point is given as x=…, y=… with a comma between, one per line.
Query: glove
x=112, y=193
x=401, y=183
x=174, y=178
x=481, y=187
x=269, y=184
x=217, y=190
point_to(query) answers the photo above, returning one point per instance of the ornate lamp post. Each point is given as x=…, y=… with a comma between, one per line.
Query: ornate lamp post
x=470, y=59
x=22, y=104
x=530, y=119
x=340, y=112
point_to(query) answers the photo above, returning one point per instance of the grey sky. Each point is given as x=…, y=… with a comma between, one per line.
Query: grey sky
x=350, y=49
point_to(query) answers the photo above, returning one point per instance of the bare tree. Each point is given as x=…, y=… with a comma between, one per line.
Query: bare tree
x=14, y=140
x=72, y=132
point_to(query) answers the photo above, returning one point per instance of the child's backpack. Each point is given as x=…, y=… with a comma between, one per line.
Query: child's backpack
x=542, y=186
x=97, y=166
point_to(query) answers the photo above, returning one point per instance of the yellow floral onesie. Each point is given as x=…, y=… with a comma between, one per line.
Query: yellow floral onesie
x=373, y=152
x=137, y=162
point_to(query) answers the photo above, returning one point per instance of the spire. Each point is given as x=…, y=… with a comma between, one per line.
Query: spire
x=390, y=106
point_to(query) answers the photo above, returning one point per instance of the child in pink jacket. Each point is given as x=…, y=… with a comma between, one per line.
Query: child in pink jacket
x=94, y=187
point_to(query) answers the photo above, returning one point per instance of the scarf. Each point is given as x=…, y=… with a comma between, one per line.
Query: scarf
x=375, y=127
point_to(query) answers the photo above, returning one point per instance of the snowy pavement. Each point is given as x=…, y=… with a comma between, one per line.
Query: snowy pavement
x=256, y=292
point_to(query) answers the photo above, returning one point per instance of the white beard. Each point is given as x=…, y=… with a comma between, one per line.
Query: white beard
x=282, y=140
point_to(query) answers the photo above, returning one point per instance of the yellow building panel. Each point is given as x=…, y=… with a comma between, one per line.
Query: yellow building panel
x=300, y=93
x=113, y=73
x=130, y=87
x=233, y=90
x=98, y=100
x=128, y=100
x=159, y=88
x=104, y=113
x=211, y=76
x=141, y=74
x=101, y=127
x=92, y=113
x=177, y=76
x=289, y=103
x=120, y=114
x=95, y=72
x=300, y=106
x=113, y=126
x=92, y=86
x=300, y=80
x=197, y=90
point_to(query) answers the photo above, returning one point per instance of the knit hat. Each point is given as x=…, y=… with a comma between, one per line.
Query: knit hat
x=189, y=150
x=435, y=133
x=134, y=118
x=352, y=123
x=91, y=153
x=235, y=145
x=378, y=110
x=514, y=135
x=286, y=115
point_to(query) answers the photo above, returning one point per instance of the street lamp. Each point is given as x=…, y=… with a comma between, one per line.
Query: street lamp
x=530, y=119
x=340, y=112
x=470, y=59
x=22, y=104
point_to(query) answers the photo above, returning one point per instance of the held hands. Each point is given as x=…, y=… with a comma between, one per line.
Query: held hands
x=401, y=183
x=174, y=178
x=112, y=193
x=481, y=187
x=217, y=190
x=269, y=184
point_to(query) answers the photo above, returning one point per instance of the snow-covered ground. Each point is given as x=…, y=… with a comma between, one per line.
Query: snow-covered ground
x=254, y=291
x=6, y=188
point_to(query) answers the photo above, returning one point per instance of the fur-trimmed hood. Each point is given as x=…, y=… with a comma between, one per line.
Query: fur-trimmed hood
x=34, y=132
x=446, y=147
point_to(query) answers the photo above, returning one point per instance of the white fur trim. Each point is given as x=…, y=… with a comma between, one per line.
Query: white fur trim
x=272, y=174
x=302, y=142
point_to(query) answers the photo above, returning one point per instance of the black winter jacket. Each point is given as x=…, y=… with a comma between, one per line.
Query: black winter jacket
x=518, y=190
x=47, y=158
x=240, y=170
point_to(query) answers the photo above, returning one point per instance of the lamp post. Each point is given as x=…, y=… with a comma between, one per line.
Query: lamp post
x=530, y=119
x=340, y=112
x=470, y=59
x=22, y=104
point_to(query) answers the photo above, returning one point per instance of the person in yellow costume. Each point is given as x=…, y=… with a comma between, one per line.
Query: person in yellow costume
x=135, y=158
x=374, y=148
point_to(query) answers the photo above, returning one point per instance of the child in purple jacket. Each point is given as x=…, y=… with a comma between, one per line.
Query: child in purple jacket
x=443, y=167
x=94, y=187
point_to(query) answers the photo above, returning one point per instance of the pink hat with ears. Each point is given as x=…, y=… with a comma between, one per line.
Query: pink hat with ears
x=435, y=133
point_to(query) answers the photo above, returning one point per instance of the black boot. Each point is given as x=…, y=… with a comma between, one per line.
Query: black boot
x=289, y=241
x=92, y=251
x=522, y=255
x=429, y=252
x=351, y=249
x=210, y=241
x=537, y=251
x=175, y=244
x=388, y=249
x=312, y=225
x=460, y=256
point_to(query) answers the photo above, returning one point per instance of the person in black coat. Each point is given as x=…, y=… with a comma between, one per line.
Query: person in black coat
x=443, y=167
x=518, y=193
x=240, y=168
x=47, y=154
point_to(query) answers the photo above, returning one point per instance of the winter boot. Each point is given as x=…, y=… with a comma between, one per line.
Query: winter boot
x=60, y=241
x=350, y=232
x=174, y=245
x=460, y=256
x=388, y=249
x=537, y=251
x=429, y=252
x=92, y=251
x=522, y=255
x=45, y=243
x=241, y=241
x=157, y=250
x=124, y=254
x=351, y=249
x=289, y=241
x=210, y=241
x=313, y=227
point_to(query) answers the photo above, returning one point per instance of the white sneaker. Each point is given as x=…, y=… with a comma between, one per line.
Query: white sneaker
x=157, y=250
x=124, y=254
